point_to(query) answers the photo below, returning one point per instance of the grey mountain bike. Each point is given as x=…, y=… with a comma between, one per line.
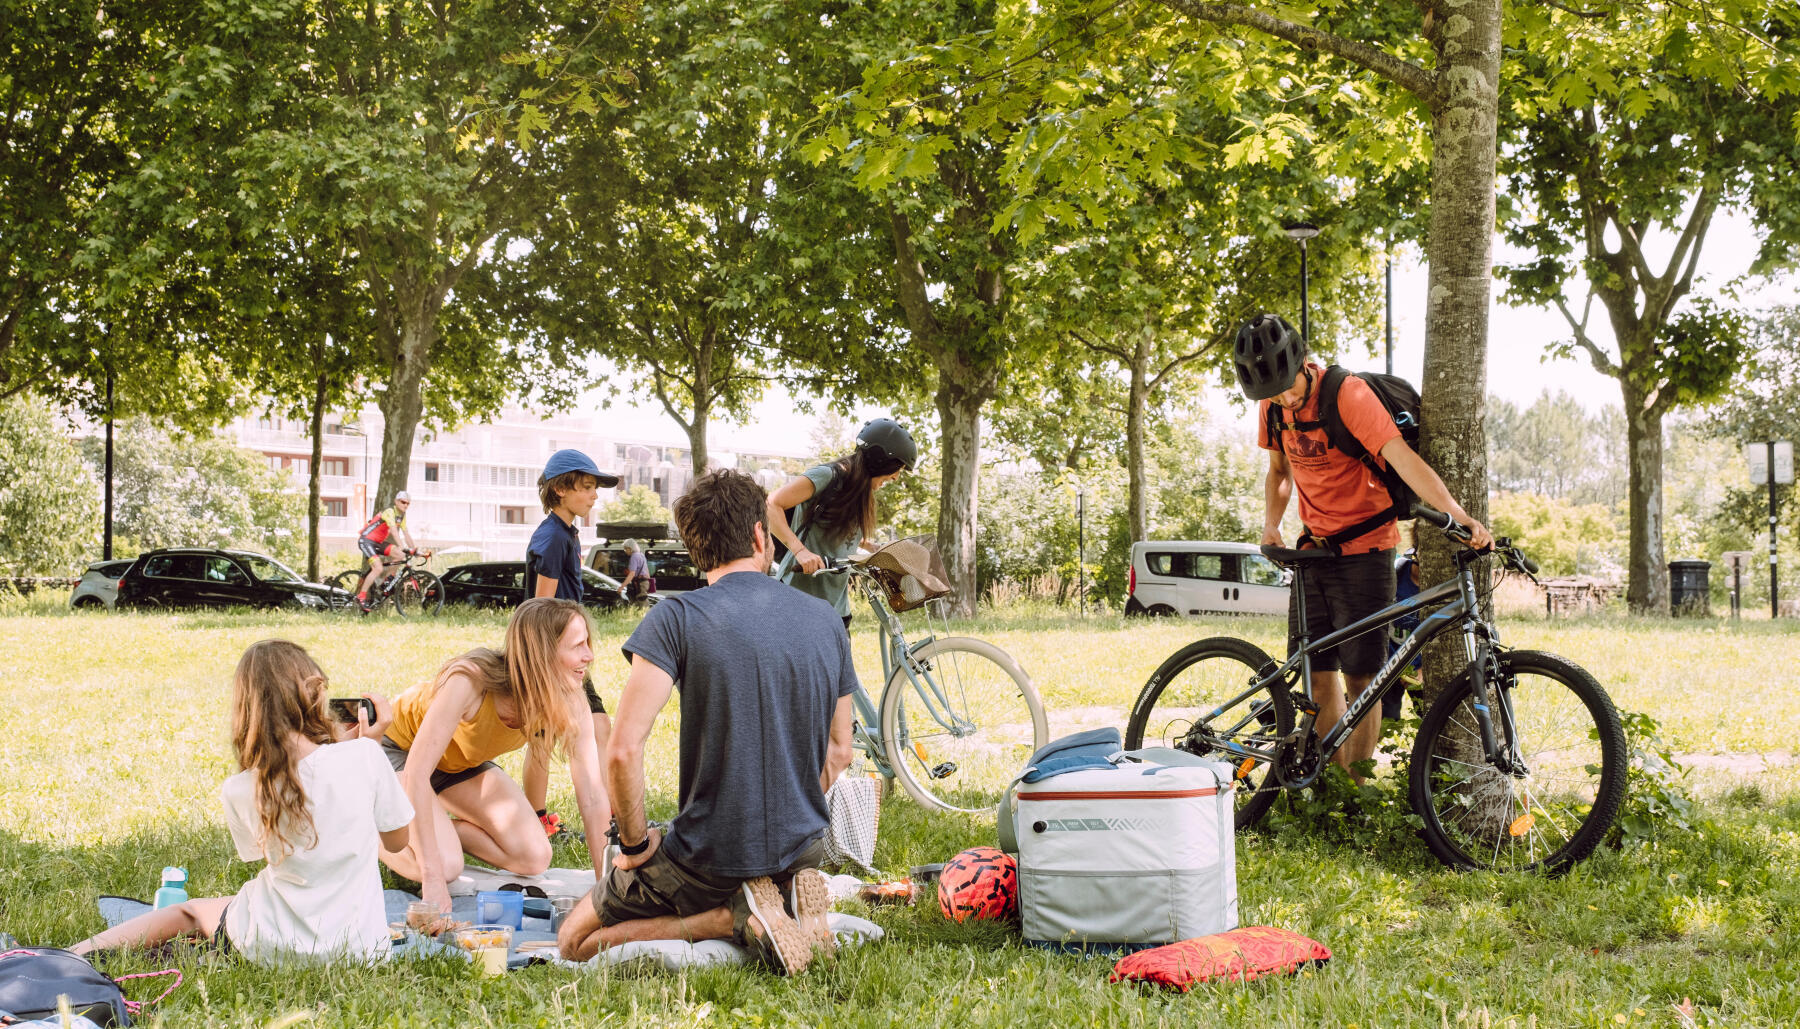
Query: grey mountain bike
x=1519, y=764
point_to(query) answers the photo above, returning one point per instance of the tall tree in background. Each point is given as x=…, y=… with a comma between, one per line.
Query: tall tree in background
x=1071, y=135
x=672, y=251
x=1648, y=120
x=387, y=115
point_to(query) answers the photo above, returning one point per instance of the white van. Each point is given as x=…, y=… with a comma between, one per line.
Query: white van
x=1189, y=577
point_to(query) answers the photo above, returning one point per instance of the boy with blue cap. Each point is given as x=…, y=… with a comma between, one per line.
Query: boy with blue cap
x=568, y=489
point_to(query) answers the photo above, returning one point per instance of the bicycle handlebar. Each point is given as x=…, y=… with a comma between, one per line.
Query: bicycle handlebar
x=1503, y=548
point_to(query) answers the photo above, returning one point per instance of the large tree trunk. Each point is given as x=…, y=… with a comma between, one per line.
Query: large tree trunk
x=403, y=401
x=959, y=419
x=1137, y=403
x=1646, y=585
x=696, y=434
x=1460, y=245
x=314, y=509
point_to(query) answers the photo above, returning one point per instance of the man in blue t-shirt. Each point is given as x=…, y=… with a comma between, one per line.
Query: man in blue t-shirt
x=765, y=678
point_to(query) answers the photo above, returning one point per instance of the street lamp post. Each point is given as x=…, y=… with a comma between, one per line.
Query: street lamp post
x=1081, y=550
x=1300, y=232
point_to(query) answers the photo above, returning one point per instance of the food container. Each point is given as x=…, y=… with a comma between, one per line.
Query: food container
x=424, y=918
x=488, y=946
x=896, y=891
x=500, y=907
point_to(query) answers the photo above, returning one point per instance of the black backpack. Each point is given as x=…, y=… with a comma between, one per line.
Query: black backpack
x=31, y=981
x=1402, y=403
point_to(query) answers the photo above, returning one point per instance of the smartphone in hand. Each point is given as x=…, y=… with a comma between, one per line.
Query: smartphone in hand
x=344, y=709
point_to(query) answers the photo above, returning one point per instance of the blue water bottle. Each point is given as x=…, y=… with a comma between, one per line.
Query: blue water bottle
x=173, y=889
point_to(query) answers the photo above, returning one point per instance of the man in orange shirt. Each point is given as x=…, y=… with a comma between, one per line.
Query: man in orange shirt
x=1337, y=491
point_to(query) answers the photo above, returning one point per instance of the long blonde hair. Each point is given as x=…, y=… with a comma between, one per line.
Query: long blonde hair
x=278, y=691
x=527, y=671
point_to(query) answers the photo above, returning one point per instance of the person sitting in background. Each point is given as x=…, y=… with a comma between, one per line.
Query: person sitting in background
x=316, y=802
x=637, y=570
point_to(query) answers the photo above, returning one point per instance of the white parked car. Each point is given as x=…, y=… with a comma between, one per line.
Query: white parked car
x=1191, y=577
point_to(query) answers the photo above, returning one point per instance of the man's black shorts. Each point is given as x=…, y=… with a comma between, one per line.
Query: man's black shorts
x=370, y=548
x=1338, y=593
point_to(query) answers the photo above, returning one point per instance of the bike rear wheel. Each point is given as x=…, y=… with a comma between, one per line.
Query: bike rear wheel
x=418, y=593
x=1552, y=811
x=960, y=728
x=1197, y=702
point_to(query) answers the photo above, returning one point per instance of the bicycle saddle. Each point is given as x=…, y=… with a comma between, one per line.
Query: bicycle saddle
x=1288, y=556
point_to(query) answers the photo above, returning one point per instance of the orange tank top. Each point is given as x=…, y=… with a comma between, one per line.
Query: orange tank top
x=483, y=738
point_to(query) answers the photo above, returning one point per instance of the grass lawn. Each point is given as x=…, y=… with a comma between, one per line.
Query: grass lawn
x=113, y=744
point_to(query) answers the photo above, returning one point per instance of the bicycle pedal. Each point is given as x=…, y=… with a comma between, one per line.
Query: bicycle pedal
x=1305, y=705
x=944, y=770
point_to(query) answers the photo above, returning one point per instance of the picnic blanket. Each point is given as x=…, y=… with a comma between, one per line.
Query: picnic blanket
x=535, y=926
x=576, y=882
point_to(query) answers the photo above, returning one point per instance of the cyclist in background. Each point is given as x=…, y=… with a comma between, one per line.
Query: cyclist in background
x=377, y=539
x=836, y=508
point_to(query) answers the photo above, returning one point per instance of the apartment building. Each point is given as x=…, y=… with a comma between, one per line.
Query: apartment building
x=475, y=487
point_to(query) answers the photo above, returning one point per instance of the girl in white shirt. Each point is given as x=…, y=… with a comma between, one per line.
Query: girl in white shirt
x=316, y=800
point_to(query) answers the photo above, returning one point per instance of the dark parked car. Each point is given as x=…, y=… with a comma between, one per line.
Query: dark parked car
x=671, y=567
x=502, y=584
x=99, y=585
x=205, y=577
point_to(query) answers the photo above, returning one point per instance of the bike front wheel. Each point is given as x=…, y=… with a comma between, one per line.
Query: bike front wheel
x=347, y=581
x=418, y=593
x=1206, y=700
x=1567, y=747
x=959, y=721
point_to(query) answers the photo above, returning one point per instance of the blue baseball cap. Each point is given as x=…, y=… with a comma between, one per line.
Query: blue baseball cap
x=571, y=460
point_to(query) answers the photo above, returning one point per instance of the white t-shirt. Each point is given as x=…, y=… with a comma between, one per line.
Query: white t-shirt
x=324, y=900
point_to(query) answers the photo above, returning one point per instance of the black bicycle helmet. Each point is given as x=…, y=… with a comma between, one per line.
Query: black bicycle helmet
x=1268, y=355
x=886, y=447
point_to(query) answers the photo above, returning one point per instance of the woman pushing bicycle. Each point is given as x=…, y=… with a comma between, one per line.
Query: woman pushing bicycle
x=483, y=704
x=834, y=505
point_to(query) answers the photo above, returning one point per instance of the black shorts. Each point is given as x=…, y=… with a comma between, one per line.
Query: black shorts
x=663, y=886
x=220, y=943
x=370, y=548
x=595, y=704
x=1338, y=593
x=440, y=779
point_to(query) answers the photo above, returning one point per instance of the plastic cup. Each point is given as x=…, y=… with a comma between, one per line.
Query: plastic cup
x=488, y=945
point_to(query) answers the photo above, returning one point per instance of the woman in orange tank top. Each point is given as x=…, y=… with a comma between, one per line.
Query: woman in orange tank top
x=481, y=705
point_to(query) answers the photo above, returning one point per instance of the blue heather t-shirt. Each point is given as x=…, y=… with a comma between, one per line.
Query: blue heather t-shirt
x=554, y=551
x=760, y=670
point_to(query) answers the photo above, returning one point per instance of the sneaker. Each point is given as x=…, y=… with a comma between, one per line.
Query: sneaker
x=809, y=898
x=774, y=935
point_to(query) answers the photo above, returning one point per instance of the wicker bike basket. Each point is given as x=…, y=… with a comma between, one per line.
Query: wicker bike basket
x=910, y=571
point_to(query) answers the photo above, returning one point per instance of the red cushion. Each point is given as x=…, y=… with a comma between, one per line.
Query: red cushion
x=1239, y=955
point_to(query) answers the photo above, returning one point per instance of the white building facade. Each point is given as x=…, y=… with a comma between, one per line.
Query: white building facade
x=475, y=487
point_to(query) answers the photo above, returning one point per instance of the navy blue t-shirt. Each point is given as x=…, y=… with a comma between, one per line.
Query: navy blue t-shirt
x=554, y=551
x=760, y=668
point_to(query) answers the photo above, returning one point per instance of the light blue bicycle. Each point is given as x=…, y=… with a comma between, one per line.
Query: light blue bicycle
x=957, y=717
